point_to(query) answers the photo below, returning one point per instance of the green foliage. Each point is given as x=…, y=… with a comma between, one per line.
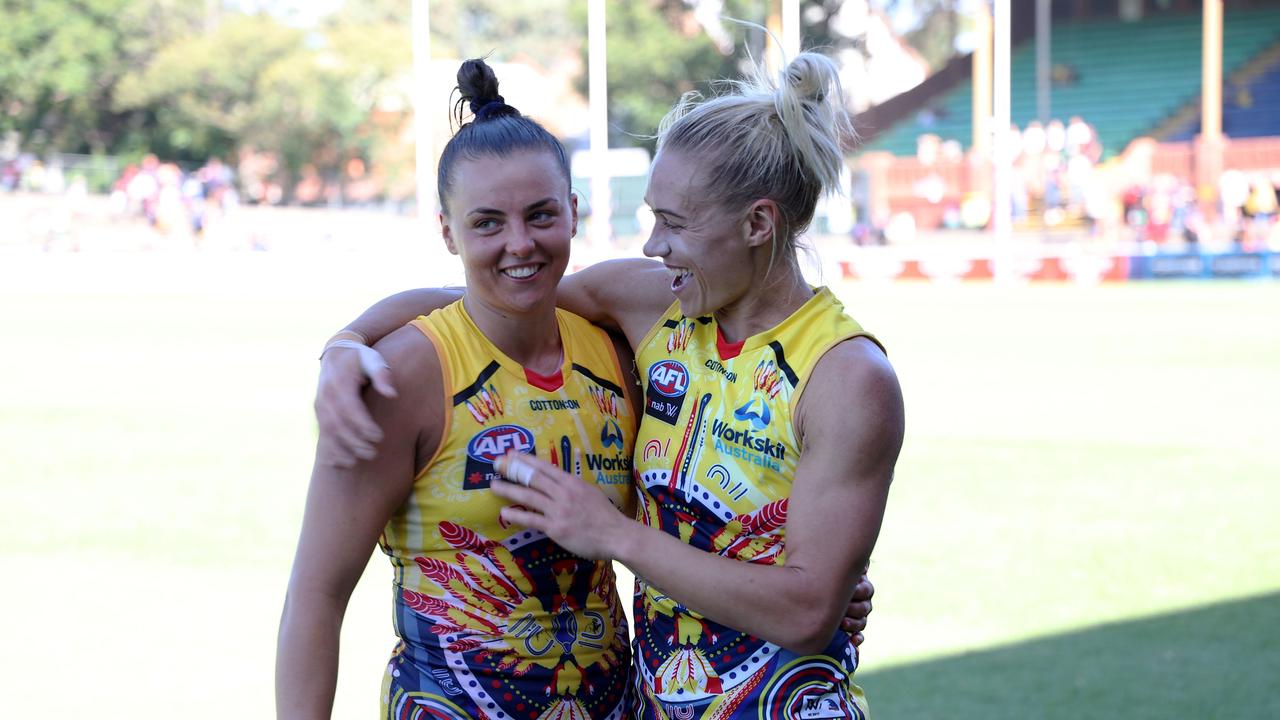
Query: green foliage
x=537, y=30
x=206, y=89
x=934, y=36
x=257, y=83
x=60, y=62
x=189, y=79
x=656, y=52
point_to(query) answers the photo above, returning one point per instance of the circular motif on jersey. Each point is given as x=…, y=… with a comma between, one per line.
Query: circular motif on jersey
x=669, y=378
x=426, y=706
x=808, y=689
x=492, y=443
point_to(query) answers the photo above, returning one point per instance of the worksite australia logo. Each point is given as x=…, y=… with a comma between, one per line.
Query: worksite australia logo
x=748, y=443
x=664, y=396
x=610, y=469
x=487, y=446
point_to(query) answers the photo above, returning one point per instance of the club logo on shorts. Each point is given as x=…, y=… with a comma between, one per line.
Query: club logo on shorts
x=487, y=446
x=668, y=384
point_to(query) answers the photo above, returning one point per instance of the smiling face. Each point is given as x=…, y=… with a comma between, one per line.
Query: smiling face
x=706, y=247
x=511, y=220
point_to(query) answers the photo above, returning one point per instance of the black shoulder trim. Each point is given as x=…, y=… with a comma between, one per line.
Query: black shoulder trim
x=782, y=364
x=669, y=323
x=599, y=380
x=464, y=394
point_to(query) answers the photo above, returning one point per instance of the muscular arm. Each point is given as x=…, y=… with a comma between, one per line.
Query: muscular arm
x=345, y=512
x=627, y=296
x=391, y=313
x=851, y=422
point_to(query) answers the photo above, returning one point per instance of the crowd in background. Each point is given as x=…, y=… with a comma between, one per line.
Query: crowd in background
x=1053, y=165
x=1054, y=184
x=173, y=201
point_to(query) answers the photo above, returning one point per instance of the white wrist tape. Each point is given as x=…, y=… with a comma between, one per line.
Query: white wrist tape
x=370, y=360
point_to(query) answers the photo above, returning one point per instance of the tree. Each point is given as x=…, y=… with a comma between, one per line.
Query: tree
x=939, y=23
x=502, y=30
x=204, y=90
x=657, y=51
x=256, y=83
x=60, y=63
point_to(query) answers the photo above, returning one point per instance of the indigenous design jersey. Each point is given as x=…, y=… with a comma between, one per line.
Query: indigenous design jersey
x=497, y=621
x=716, y=457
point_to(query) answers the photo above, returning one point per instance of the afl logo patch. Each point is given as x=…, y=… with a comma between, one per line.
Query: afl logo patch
x=669, y=378
x=664, y=396
x=489, y=445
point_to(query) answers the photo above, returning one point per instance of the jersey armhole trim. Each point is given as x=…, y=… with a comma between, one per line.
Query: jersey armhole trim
x=806, y=373
x=446, y=383
x=623, y=379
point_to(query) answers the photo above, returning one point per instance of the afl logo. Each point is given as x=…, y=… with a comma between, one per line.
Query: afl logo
x=489, y=445
x=669, y=378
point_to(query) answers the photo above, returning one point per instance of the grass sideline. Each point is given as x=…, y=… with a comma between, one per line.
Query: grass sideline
x=1082, y=520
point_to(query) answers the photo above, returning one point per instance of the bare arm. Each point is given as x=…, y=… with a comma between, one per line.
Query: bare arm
x=621, y=295
x=348, y=430
x=346, y=511
x=626, y=295
x=851, y=423
x=391, y=313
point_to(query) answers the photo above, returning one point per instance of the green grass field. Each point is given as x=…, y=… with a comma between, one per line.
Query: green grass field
x=1083, y=524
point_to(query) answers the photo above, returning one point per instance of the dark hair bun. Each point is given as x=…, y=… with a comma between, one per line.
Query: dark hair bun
x=478, y=86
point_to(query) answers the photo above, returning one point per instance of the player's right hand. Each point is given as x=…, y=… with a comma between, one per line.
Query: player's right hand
x=347, y=431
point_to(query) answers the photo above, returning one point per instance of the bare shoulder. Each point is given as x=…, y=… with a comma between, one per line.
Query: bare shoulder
x=407, y=352
x=853, y=390
x=416, y=414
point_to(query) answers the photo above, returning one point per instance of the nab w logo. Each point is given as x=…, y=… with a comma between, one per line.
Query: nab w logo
x=669, y=378
x=822, y=706
x=491, y=444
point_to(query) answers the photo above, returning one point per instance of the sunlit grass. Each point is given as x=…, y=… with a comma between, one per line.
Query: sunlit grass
x=1075, y=456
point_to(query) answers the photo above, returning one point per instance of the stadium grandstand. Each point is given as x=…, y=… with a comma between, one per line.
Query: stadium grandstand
x=1127, y=78
x=1144, y=77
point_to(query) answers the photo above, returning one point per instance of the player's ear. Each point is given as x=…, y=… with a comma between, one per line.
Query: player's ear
x=447, y=234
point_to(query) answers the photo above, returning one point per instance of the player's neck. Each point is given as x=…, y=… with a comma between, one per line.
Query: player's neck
x=531, y=339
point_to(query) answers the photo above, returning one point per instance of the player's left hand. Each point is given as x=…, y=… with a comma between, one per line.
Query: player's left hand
x=571, y=511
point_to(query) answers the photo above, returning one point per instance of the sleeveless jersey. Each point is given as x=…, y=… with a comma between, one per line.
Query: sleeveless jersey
x=715, y=460
x=497, y=621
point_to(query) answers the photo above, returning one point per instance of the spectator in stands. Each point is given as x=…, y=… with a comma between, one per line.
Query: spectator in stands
x=1033, y=150
x=10, y=175
x=1260, y=208
x=1055, y=137
x=1233, y=191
